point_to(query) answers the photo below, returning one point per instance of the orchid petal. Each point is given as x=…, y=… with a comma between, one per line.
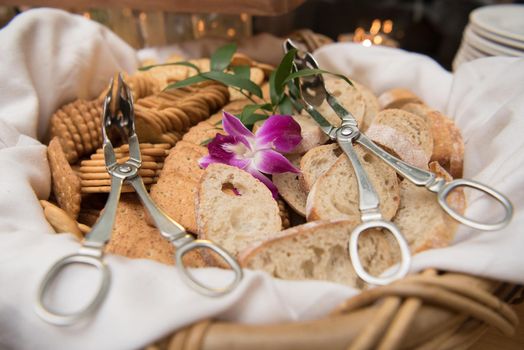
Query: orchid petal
x=206, y=161
x=280, y=130
x=234, y=127
x=264, y=179
x=220, y=152
x=272, y=162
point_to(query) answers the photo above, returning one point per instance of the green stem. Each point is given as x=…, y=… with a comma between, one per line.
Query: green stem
x=248, y=97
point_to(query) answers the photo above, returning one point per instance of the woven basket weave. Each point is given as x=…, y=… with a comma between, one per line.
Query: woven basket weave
x=424, y=311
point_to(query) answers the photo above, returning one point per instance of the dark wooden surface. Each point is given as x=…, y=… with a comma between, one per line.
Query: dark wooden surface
x=253, y=7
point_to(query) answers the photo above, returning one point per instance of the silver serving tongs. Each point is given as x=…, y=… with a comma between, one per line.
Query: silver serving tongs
x=313, y=94
x=121, y=120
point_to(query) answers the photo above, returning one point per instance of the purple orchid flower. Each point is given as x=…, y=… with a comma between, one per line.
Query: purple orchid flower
x=256, y=153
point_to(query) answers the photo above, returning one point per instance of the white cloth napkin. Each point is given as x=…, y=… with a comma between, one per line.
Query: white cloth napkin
x=52, y=57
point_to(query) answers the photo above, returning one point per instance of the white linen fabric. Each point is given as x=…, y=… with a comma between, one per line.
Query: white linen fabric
x=53, y=57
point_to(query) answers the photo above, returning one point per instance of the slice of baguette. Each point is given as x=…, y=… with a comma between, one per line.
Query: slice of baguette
x=348, y=96
x=312, y=135
x=397, y=97
x=448, y=149
x=335, y=194
x=422, y=221
x=290, y=188
x=319, y=250
x=316, y=162
x=448, y=144
x=235, y=221
x=406, y=134
x=372, y=105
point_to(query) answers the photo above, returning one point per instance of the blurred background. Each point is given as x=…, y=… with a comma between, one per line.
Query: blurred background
x=431, y=27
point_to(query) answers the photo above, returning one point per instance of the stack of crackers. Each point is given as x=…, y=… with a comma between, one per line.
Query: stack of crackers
x=94, y=177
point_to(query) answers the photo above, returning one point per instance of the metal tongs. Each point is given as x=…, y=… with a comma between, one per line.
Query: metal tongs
x=312, y=94
x=121, y=120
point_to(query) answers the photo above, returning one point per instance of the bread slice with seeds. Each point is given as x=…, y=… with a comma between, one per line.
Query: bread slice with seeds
x=235, y=219
x=335, y=194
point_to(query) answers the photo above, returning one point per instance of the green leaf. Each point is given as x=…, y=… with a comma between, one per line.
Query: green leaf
x=221, y=58
x=285, y=106
x=250, y=109
x=247, y=111
x=233, y=80
x=189, y=81
x=309, y=72
x=283, y=71
x=253, y=118
x=182, y=63
x=275, y=97
x=207, y=141
x=242, y=71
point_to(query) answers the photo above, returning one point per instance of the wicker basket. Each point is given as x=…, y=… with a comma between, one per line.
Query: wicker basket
x=426, y=311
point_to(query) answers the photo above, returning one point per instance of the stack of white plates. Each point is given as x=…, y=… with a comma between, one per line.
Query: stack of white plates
x=492, y=31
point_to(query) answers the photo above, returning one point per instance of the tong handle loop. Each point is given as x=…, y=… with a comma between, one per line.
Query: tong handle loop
x=67, y=319
x=200, y=287
x=445, y=190
x=405, y=255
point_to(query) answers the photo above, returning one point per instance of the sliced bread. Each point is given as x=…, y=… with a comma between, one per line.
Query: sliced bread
x=372, y=105
x=448, y=149
x=319, y=250
x=397, y=97
x=335, y=194
x=239, y=218
x=448, y=144
x=348, y=96
x=290, y=188
x=316, y=162
x=312, y=135
x=408, y=135
x=422, y=221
